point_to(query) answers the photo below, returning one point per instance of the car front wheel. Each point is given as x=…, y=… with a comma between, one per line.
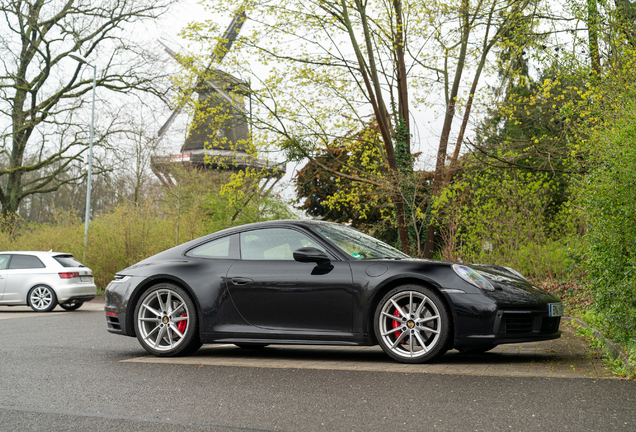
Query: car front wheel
x=166, y=321
x=42, y=299
x=412, y=324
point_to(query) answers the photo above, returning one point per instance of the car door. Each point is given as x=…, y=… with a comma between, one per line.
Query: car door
x=273, y=291
x=4, y=262
x=24, y=272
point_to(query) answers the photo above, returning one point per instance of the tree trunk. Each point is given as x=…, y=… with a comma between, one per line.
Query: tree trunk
x=592, y=23
x=448, y=122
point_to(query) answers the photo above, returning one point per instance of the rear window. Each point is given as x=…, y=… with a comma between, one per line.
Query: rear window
x=221, y=248
x=68, y=261
x=25, y=262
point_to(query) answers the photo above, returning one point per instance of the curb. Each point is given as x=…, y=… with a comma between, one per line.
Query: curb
x=610, y=347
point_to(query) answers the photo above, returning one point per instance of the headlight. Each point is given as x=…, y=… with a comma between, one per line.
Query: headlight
x=515, y=272
x=473, y=277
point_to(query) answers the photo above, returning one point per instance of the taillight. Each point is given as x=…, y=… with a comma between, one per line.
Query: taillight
x=114, y=314
x=68, y=275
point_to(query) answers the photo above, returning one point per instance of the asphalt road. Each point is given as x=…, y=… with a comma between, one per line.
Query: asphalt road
x=63, y=371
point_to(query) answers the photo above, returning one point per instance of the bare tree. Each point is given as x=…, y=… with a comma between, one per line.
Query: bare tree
x=42, y=129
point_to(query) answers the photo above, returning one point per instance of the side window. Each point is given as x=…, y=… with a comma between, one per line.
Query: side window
x=4, y=260
x=25, y=262
x=220, y=248
x=274, y=244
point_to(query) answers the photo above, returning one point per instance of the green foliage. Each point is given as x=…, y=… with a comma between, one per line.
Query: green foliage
x=201, y=203
x=402, y=151
x=64, y=233
x=126, y=235
x=322, y=193
x=608, y=194
x=506, y=218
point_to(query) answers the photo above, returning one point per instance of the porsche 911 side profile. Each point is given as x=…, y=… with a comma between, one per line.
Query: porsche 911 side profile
x=314, y=282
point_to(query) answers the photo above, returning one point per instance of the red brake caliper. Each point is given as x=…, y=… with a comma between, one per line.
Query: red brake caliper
x=181, y=325
x=397, y=323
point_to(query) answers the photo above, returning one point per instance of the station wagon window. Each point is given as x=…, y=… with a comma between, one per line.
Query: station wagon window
x=4, y=261
x=220, y=248
x=25, y=262
x=68, y=261
x=274, y=244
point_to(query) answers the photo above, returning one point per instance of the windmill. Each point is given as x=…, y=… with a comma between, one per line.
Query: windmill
x=220, y=141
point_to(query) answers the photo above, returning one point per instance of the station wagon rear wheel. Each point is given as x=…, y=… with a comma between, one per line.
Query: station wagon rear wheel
x=42, y=299
x=166, y=321
x=412, y=324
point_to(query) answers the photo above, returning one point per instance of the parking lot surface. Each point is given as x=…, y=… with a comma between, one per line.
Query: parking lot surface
x=567, y=357
x=62, y=371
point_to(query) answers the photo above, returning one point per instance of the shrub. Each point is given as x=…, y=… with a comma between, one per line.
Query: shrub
x=506, y=218
x=608, y=195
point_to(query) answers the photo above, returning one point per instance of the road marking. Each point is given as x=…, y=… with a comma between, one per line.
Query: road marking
x=567, y=357
x=10, y=312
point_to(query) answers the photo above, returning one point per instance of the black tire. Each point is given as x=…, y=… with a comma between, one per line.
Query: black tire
x=423, y=335
x=71, y=306
x=249, y=345
x=42, y=298
x=166, y=321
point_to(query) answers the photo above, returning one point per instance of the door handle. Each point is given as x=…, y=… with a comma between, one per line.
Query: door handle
x=241, y=281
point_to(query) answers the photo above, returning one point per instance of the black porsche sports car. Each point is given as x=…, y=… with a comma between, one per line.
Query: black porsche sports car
x=311, y=282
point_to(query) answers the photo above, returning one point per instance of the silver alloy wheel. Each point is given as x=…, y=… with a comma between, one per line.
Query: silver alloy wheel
x=41, y=298
x=163, y=320
x=410, y=324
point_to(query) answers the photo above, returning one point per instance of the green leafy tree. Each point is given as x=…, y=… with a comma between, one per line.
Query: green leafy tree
x=331, y=65
x=316, y=187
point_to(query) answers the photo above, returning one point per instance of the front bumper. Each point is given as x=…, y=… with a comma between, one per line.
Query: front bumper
x=482, y=321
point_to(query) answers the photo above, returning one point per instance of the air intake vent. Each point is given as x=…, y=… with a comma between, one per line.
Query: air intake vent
x=113, y=323
x=516, y=324
x=550, y=325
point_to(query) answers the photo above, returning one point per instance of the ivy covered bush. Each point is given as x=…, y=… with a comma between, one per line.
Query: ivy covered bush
x=608, y=194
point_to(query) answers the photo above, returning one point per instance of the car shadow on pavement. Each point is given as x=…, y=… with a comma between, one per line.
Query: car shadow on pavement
x=566, y=357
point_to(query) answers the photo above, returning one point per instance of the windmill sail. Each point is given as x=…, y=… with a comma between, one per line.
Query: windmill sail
x=219, y=137
x=222, y=48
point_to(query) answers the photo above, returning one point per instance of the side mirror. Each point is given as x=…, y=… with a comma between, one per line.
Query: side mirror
x=310, y=254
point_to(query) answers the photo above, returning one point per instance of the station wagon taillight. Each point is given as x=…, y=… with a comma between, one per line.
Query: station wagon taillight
x=68, y=275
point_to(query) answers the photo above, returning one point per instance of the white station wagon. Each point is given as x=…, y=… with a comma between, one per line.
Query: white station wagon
x=43, y=280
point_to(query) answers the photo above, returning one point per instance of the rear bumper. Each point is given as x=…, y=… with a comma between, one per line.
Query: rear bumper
x=67, y=292
x=79, y=299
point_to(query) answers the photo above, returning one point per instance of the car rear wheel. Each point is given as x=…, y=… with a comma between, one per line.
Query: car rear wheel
x=42, y=299
x=71, y=306
x=166, y=321
x=412, y=324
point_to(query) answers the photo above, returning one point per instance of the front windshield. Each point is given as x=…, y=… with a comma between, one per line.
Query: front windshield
x=356, y=244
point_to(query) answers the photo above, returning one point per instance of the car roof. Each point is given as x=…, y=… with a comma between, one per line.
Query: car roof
x=271, y=223
x=36, y=253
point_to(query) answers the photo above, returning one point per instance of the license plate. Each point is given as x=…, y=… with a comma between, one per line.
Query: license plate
x=556, y=309
x=86, y=278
